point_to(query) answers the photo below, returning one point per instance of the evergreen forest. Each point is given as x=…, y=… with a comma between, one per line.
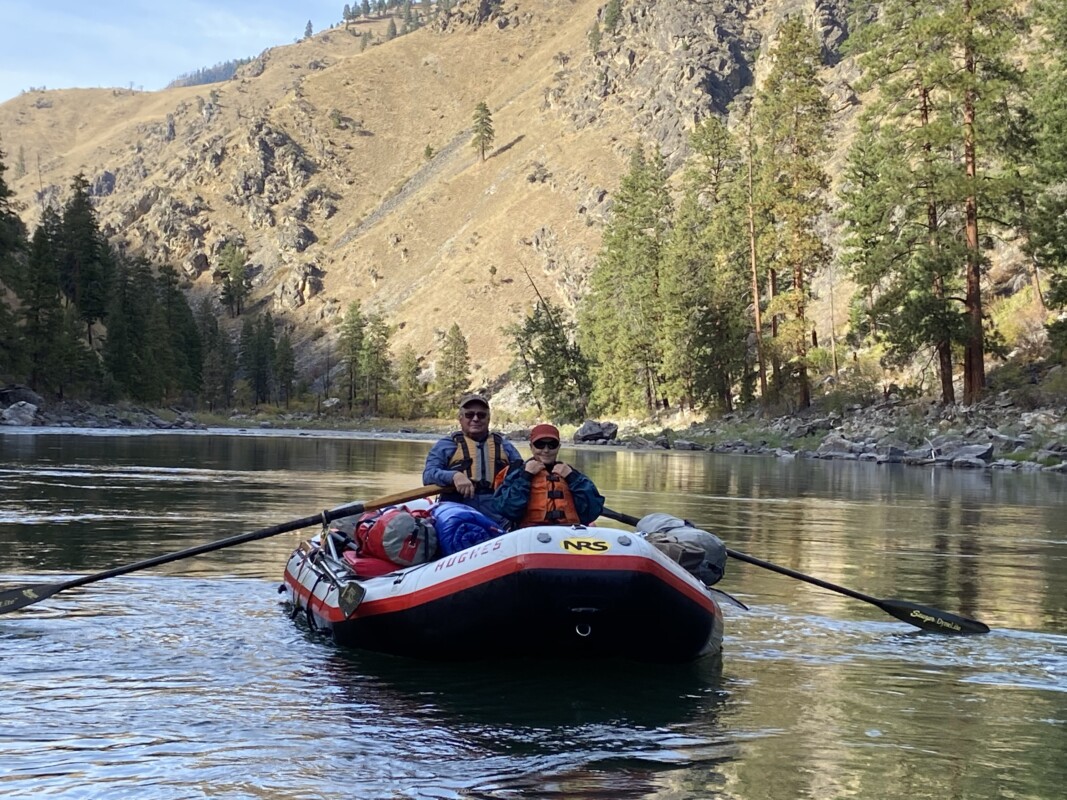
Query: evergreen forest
x=701, y=297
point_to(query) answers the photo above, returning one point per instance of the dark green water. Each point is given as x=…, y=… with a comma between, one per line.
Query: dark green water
x=191, y=681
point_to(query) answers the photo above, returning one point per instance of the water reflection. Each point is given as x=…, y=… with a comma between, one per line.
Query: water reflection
x=543, y=729
x=535, y=694
x=190, y=680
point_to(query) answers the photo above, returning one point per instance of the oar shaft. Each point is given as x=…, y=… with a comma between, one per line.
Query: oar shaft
x=800, y=576
x=20, y=597
x=925, y=617
x=221, y=544
x=759, y=562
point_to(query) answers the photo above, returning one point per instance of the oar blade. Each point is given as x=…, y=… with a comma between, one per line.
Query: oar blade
x=932, y=619
x=14, y=599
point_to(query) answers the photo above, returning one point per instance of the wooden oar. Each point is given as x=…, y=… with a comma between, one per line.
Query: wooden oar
x=925, y=617
x=14, y=599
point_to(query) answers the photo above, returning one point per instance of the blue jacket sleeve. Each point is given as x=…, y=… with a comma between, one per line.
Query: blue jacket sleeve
x=436, y=469
x=512, y=496
x=587, y=500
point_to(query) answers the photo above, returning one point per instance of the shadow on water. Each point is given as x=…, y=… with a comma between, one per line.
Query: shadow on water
x=537, y=693
x=551, y=728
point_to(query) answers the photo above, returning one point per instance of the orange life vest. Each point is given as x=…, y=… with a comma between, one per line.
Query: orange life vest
x=551, y=502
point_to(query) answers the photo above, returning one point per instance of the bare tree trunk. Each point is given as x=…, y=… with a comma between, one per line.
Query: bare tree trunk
x=974, y=351
x=756, y=313
x=943, y=346
x=833, y=336
x=944, y=358
x=776, y=365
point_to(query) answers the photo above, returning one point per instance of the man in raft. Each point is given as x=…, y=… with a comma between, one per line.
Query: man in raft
x=465, y=462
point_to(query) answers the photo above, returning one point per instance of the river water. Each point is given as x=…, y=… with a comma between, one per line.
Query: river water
x=191, y=681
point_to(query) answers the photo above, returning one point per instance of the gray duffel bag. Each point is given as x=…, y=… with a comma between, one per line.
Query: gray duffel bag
x=701, y=553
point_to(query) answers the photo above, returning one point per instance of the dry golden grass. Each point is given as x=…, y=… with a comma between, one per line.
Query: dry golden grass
x=414, y=239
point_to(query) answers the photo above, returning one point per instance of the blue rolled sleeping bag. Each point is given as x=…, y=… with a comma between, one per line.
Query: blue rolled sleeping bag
x=459, y=527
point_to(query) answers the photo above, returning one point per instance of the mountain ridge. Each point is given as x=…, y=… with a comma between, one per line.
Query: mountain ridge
x=312, y=158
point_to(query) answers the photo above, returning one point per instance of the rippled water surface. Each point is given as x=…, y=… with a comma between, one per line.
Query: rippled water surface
x=190, y=680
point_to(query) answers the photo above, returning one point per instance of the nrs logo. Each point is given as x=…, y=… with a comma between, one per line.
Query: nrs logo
x=585, y=546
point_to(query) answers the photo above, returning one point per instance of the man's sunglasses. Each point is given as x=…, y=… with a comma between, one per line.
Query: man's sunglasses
x=546, y=444
x=475, y=414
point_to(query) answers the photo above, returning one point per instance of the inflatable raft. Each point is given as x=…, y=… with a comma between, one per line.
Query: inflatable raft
x=595, y=592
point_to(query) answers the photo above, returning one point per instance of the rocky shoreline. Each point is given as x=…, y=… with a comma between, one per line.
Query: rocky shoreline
x=994, y=434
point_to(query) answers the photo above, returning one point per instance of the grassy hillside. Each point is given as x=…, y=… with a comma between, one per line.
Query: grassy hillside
x=424, y=241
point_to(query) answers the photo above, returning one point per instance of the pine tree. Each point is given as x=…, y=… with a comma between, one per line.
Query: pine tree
x=140, y=353
x=595, y=38
x=285, y=367
x=483, y=129
x=409, y=389
x=523, y=371
x=390, y=32
x=219, y=361
x=125, y=348
x=41, y=312
x=160, y=379
x=86, y=267
x=350, y=350
x=13, y=360
x=901, y=247
x=12, y=248
x=549, y=365
x=453, y=368
x=621, y=316
x=246, y=363
x=308, y=30
x=791, y=117
x=78, y=372
x=266, y=358
x=755, y=226
x=236, y=286
x=12, y=233
x=186, y=350
x=375, y=364
x=257, y=357
x=943, y=78
x=1050, y=105
x=704, y=331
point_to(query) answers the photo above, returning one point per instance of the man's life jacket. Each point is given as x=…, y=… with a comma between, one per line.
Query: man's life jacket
x=466, y=457
x=551, y=502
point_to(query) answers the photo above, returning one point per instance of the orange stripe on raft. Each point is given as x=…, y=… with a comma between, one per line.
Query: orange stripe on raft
x=509, y=566
x=332, y=613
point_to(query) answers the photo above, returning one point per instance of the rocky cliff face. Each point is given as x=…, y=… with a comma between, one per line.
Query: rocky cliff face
x=666, y=66
x=313, y=158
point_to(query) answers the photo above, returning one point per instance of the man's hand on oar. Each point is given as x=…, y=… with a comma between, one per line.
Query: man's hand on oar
x=925, y=617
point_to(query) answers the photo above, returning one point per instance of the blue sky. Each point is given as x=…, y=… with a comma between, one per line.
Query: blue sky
x=95, y=43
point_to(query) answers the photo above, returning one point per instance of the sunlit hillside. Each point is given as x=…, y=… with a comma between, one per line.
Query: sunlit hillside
x=346, y=172
x=319, y=165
